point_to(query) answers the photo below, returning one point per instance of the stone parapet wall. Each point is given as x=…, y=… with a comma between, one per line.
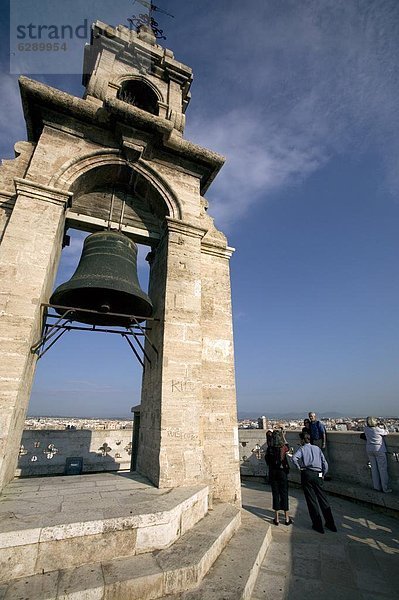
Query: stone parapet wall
x=346, y=452
x=347, y=456
x=44, y=452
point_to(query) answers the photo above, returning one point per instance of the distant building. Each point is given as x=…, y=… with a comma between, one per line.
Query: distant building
x=341, y=427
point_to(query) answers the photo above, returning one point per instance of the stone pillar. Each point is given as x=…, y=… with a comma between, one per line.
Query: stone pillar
x=170, y=450
x=135, y=437
x=29, y=256
x=219, y=412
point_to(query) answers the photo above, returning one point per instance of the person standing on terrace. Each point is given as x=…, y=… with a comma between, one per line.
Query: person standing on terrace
x=376, y=449
x=310, y=460
x=276, y=459
x=318, y=435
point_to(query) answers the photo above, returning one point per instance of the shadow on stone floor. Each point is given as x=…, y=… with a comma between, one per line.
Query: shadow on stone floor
x=358, y=562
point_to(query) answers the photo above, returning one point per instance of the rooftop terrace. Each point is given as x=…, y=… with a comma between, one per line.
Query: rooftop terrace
x=97, y=536
x=359, y=562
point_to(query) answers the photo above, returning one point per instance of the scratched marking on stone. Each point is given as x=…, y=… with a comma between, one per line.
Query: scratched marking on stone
x=177, y=432
x=183, y=385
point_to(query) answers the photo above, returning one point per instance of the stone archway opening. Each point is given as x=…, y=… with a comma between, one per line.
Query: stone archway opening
x=118, y=197
x=87, y=376
x=93, y=374
x=139, y=94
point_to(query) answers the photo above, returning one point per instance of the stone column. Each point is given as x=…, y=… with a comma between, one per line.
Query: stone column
x=170, y=450
x=219, y=412
x=29, y=256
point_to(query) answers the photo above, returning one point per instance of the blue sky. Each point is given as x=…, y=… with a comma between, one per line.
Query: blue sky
x=301, y=96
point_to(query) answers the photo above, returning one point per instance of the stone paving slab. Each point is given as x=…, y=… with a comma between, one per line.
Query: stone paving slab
x=360, y=561
x=17, y=512
x=74, y=483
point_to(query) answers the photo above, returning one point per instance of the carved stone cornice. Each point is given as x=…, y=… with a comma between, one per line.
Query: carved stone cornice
x=37, y=97
x=182, y=228
x=46, y=193
x=219, y=251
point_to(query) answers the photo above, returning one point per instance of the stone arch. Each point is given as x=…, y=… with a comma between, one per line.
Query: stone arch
x=123, y=79
x=138, y=93
x=78, y=169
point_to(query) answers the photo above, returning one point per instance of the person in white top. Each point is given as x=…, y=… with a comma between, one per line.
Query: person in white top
x=375, y=433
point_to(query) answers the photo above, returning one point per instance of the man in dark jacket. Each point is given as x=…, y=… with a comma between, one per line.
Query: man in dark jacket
x=318, y=435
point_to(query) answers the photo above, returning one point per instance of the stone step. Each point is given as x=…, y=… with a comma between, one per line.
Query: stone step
x=82, y=524
x=234, y=573
x=146, y=577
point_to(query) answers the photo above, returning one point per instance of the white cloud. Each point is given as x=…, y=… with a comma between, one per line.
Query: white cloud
x=260, y=159
x=280, y=88
x=292, y=87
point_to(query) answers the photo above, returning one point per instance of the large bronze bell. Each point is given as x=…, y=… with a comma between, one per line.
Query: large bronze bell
x=105, y=281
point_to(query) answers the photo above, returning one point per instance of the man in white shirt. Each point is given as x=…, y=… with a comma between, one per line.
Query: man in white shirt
x=376, y=449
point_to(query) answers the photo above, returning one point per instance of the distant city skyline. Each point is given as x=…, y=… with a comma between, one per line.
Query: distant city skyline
x=242, y=415
x=301, y=98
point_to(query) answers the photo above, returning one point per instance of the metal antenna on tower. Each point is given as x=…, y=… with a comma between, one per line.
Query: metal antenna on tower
x=148, y=19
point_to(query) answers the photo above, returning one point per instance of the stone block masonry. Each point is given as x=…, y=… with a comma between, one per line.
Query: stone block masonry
x=29, y=257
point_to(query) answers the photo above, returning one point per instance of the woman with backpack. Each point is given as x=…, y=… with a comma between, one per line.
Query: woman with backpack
x=276, y=459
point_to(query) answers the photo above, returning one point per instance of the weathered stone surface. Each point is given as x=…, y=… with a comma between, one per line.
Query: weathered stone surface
x=81, y=583
x=138, y=580
x=186, y=563
x=233, y=575
x=85, y=549
x=158, y=536
x=27, y=267
x=43, y=587
x=9, y=169
x=17, y=561
x=357, y=561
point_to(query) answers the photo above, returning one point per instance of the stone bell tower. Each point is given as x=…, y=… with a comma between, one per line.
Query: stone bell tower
x=123, y=145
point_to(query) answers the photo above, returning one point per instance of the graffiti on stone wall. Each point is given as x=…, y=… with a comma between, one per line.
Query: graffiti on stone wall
x=182, y=386
x=178, y=432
